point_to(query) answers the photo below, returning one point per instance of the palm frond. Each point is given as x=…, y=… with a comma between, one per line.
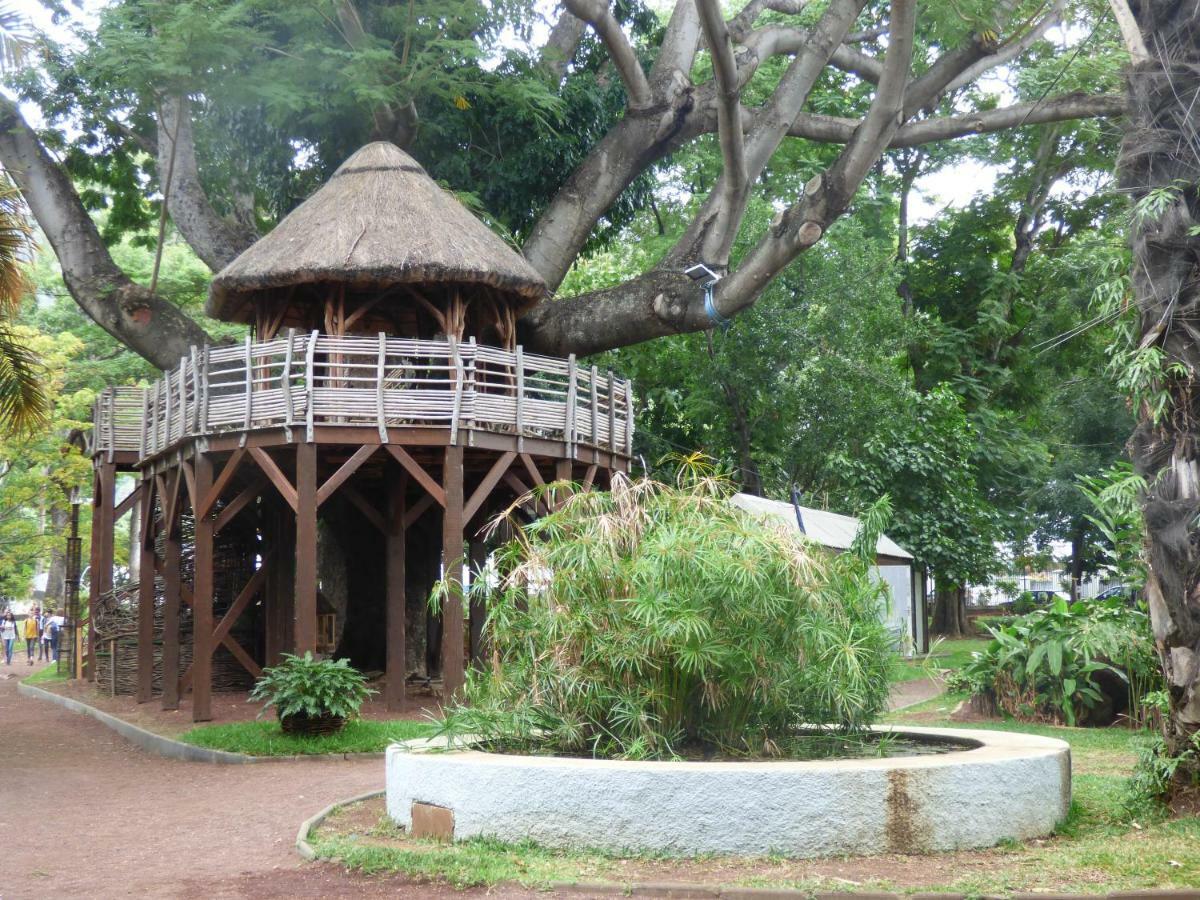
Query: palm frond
x=16, y=38
x=23, y=402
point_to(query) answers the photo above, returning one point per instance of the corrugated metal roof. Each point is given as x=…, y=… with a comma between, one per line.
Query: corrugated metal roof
x=826, y=528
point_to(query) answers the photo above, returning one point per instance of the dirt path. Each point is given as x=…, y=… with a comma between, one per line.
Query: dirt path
x=84, y=813
x=910, y=693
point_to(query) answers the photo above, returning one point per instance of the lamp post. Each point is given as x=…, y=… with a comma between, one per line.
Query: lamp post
x=74, y=556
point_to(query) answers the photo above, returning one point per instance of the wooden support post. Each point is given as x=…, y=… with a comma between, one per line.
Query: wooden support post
x=103, y=520
x=478, y=606
x=453, y=671
x=146, y=572
x=304, y=623
x=202, y=598
x=172, y=603
x=397, y=665
x=93, y=585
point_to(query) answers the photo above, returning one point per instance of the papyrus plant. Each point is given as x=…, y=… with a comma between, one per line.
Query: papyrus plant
x=653, y=620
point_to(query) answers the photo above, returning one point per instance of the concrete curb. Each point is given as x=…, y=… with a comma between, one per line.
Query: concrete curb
x=683, y=889
x=303, y=847
x=169, y=747
x=147, y=740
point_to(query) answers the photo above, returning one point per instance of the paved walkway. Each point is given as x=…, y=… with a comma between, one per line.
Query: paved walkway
x=84, y=813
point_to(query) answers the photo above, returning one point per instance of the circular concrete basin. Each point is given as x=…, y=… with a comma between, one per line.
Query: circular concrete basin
x=1001, y=785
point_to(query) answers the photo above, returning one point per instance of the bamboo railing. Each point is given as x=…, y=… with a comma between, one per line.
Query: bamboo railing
x=303, y=381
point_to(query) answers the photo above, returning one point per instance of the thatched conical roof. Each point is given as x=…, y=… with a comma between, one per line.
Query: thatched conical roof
x=379, y=221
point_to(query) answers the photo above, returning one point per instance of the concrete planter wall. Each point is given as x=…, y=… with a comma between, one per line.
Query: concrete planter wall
x=1014, y=786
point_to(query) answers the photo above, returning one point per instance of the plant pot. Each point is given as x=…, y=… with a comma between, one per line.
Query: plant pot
x=309, y=726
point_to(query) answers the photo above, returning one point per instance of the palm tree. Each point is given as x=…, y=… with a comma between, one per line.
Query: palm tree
x=23, y=403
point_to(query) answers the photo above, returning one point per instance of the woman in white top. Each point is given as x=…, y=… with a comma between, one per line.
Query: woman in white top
x=8, y=634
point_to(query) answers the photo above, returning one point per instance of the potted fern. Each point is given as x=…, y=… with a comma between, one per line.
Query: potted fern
x=312, y=696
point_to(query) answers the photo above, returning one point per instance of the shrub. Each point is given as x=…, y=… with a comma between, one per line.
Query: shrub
x=1083, y=662
x=652, y=621
x=312, y=688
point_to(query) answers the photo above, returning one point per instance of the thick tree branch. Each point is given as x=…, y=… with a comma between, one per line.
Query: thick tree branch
x=826, y=196
x=719, y=239
x=769, y=126
x=1011, y=49
x=835, y=130
x=597, y=14
x=395, y=123
x=216, y=240
x=777, y=40
x=1131, y=33
x=145, y=322
x=560, y=47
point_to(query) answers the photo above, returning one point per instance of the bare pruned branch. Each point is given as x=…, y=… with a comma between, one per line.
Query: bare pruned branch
x=719, y=240
x=562, y=43
x=1131, y=34
x=835, y=130
x=597, y=14
x=827, y=195
x=1012, y=48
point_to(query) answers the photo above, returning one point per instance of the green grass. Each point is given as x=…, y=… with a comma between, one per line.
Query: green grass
x=947, y=654
x=47, y=675
x=265, y=738
x=1100, y=847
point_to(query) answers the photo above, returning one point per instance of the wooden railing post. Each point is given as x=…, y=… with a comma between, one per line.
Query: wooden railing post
x=572, y=391
x=249, y=384
x=612, y=413
x=595, y=412
x=520, y=360
x=456, y=403
x=379, y=373
x=286, y=383
x=309, y=395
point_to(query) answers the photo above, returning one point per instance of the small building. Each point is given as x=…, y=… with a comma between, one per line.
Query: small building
x=906, y=614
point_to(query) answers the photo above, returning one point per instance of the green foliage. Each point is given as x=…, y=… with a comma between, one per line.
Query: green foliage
x=1046, y=665
x=1115, y=494
x=267, y=739
x=312, y=687
x=652, y=620
x=923, y=461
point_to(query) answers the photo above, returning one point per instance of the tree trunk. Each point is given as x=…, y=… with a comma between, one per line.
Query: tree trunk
x=949, y=610
x=1078, y=545
x=57, y=569
x=1160, y=155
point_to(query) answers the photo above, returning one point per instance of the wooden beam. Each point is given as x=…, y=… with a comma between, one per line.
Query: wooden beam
x=534, y=474
x=396, y=599
x=348, y=468
x=240, y=654
x=521, y=490
x=275, y=474
x=364, y=506
x=304, y=502
x=146, y=572
x=189, y=478
x=453, y=669
x=590, y=477
x=414, y=469
x=172, y=557
x=235, y=506
x=127, y=502
x=230, y=644
x=490, y=480
x=247, y=593
x=102, y=542
x=227, y=472
x=417, y=510
x=202, y=599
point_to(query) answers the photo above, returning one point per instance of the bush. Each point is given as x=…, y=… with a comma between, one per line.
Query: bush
x=654, y=621
x=312, y=688
x=1081, y=663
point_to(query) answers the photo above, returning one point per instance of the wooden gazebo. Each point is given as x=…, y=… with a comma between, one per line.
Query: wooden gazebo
x=304, y=489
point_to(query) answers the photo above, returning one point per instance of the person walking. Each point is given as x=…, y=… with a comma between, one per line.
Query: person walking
x=8, y=634
x=54, y=626
x=29, y=631
x=40, y=621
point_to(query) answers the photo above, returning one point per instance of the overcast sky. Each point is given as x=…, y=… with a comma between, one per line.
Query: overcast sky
x=954, y=186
